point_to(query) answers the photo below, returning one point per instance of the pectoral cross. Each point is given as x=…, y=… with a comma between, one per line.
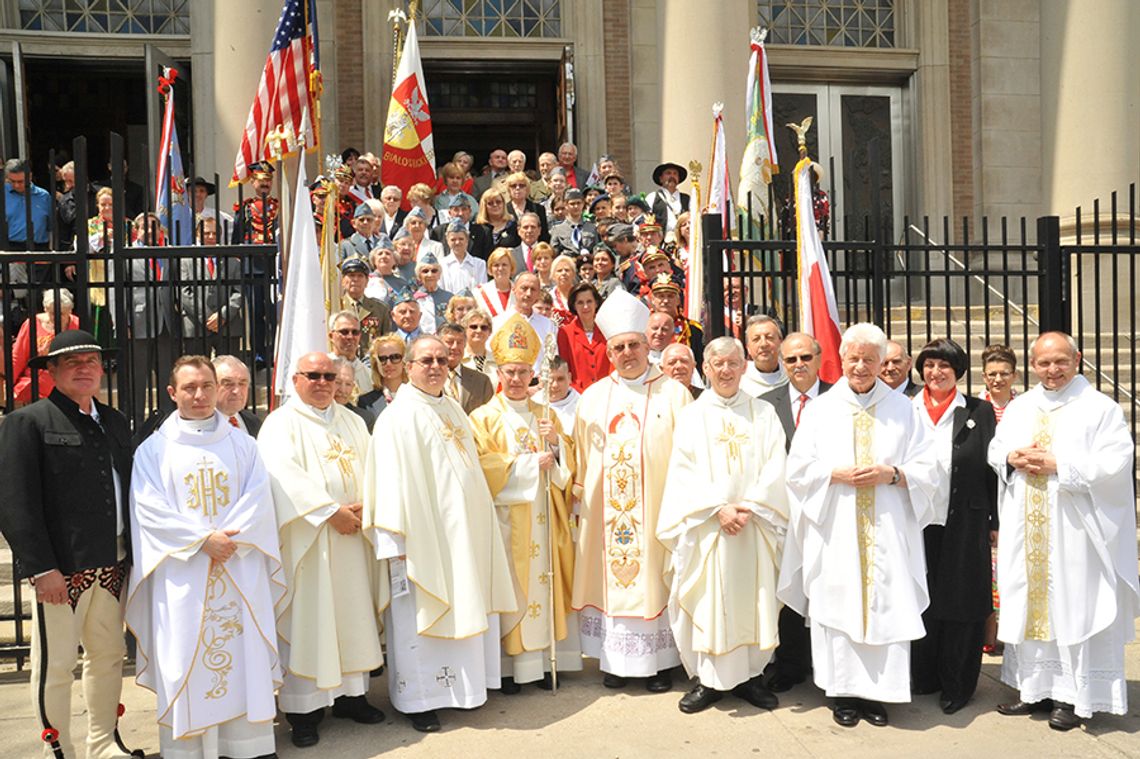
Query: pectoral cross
x=732, y=441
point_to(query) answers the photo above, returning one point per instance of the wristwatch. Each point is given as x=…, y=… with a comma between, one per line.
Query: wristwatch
x=895, y=479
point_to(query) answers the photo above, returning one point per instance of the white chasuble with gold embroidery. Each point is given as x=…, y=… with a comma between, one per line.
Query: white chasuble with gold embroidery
x=622, y=438
x=856, y=567
x=430, y=515
x=506, y=436
x=722, y=601
x=206, y=639
x=328, y=617
x=1066, y=562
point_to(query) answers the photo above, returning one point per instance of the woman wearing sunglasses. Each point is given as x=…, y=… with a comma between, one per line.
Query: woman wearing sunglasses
x=388, y=373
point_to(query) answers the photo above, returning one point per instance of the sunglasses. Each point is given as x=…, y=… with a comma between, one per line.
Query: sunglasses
x=804, y=357
x=319, y=376
x=347, y=332
x=480, y=328
x=394, y=358
x=431, y=361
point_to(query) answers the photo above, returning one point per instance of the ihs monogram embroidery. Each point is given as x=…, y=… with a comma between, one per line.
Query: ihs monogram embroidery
x=209, y=489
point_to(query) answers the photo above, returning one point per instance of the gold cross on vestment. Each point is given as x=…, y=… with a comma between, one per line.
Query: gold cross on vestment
x=456, y=434
x=533, y=610
x=732, y=440
x=343, y=456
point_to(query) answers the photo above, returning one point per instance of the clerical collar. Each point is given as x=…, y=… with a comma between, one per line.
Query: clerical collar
x=198, y=426
x=637, y=380
x=770, y=377
x=427, y=396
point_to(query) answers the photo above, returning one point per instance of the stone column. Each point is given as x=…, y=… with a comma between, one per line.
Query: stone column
x=703, y=58
x=1090, y=102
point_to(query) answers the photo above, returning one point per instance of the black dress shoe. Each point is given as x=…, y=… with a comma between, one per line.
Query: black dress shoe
x=874, y=712
x=661, y=682
x=377, y=672
x=699, y=699
x=924, y=690
x=357, y=709
x=846, y=712
x=781, y=682
x=1021, y=709
x=546, y=683
x=508, y=686
x=952, y=705
x=613, y=681
x=425, y=722
x=305, y=735
x=1063, y=717
x=754, y=692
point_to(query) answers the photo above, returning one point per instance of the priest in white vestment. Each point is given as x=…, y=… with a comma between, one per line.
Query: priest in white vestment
x=1066, y=563
x=862, y=482
x=723, y=517
x=207, y=572
x=623, y=436
x=763, y=336
x=327, y=621
x=526, y=458
x=430, y=515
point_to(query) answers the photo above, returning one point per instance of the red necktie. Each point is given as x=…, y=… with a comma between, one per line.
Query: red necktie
x=234, y=422
x=803, y=402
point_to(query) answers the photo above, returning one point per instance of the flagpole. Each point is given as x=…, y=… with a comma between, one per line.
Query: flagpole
x=549, y=352
x=397, y=18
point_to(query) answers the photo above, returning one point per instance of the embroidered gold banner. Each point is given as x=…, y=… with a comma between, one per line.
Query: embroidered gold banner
x=865, y=507
x=1037, y=539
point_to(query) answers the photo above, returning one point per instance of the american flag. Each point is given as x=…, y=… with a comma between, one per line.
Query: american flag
x=283, y=94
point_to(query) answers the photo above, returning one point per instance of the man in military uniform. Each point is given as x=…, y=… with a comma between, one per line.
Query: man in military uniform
x=665, y=295
x=375, y=317
x=68, y=467
x=258, y=223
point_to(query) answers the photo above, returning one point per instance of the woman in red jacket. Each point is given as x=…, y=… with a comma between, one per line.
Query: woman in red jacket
x=580, y=342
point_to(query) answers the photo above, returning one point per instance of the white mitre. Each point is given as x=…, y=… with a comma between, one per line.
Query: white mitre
x=621, y=312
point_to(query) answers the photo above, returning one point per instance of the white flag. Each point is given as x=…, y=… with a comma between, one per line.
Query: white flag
x=720, y=185
x=302, y=329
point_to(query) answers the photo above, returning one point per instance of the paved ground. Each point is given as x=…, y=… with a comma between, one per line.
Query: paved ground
x=585, y=720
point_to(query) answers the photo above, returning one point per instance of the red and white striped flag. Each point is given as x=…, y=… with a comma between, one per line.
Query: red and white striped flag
x=409, y=150
x=819, y=315
x=283, y=94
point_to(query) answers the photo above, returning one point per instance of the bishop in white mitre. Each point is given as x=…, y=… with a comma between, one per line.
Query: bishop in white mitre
x=526, y=459
x=327, y=620
x=723, y=517
x=430, y=515
x=206, y=574
x=1066, y=562
x=623, y=436
x=862, y=479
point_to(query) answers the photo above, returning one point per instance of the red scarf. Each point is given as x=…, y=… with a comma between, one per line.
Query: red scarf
x=936, y=412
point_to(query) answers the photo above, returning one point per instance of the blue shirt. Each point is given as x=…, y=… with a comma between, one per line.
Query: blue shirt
x=17, y=216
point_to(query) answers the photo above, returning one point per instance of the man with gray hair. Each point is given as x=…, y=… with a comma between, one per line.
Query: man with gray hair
x=725, y=505
x=896, y=370
x=678, y=363
x=345, y=334
x=233, y=394
x=388, y=222
x=863, y=479
x=762, y=338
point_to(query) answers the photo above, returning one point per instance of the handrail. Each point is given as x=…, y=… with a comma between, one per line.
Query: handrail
x=1114, y=382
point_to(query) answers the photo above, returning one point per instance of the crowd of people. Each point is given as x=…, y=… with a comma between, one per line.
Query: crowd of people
x=520, y=452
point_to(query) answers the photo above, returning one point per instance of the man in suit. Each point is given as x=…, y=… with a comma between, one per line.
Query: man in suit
x=211, y=298
x=393, y=217
x=530, y=228
x=470, y=387
x=800, y=354
x=67, y=462
x=155, y=326
x=498, y=163
x=374, y=316
x=359, y=245
x=574, y=236
x=567, y=158
x=896, y=370
x=233, y=393
x=678, y=362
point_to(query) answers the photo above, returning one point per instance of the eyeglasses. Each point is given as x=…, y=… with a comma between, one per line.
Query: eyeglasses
x=318, y=376
x=429, y=270
x=804, y=357
x=998, y=375
x=494, y=202
x=479, y=328
x=431, y=361
x=622, y=347
x=517, y=186
x=347, y=332
x=394, y=358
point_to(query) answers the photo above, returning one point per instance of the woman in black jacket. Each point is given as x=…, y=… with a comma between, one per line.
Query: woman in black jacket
x=949, y=658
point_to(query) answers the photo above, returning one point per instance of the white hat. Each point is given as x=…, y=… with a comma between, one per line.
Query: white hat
x=620, y=313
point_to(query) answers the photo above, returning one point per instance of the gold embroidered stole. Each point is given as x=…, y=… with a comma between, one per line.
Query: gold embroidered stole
x=865, y=506
x=1037, y=539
